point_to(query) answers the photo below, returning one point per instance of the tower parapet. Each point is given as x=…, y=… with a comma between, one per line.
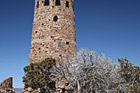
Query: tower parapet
x=53, y=33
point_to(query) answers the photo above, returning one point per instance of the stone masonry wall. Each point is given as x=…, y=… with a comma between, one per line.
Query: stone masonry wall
x=53, y=33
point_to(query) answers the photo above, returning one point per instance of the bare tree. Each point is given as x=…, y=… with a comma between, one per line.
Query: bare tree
x=90, y=73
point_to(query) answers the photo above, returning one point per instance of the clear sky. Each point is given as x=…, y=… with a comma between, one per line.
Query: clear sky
x=111, y=27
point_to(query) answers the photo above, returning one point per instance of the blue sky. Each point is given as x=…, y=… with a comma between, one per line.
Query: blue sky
x=111, y=27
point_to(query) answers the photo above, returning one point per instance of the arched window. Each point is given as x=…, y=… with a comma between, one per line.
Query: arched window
x=67, y=43
x=67, y=3
x=46, y=2
x=55, y=18
x=38, y=4
x=57, y=2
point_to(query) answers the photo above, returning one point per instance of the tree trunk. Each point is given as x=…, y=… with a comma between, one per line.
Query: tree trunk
x=79, y=88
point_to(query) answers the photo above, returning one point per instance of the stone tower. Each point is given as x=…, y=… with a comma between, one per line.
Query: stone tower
x=53, y=33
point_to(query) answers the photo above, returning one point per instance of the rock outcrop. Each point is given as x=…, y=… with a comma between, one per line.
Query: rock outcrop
x=7, y=83
x=6, y=86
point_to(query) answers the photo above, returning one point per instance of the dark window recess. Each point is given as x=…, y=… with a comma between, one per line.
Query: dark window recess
x=36, y=32
x=67, y=43
x=55, y=18
x=46, y=2
x=37, y=4
x=57, y=2
x=59, y=43
x=67, y=4
x=73, y=7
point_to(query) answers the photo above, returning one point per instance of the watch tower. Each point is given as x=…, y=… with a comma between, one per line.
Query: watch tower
x=53, y=33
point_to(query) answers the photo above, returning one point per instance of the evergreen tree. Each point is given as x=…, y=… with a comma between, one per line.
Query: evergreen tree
x=37, y=75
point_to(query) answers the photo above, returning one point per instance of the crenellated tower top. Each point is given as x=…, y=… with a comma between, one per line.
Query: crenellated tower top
x=62, y=3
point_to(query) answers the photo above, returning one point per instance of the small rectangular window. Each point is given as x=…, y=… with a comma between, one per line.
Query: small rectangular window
x=37, y=4
x=46, y=2
x=57, y=2
x=59, y=43
x=67, y=4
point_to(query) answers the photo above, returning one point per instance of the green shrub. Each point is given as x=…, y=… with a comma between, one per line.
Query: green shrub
x=37, y=75
x=131, y=73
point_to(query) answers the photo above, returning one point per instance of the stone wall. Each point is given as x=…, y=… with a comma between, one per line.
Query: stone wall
x=7, y=86
x=53, y=33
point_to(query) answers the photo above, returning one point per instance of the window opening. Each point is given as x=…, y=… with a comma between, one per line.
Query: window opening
x=67, y=43
x=59, y=43
x=46, y=2
x=67, y=3
x=36, y=32
x=55, y=18
x=38, y=4
x=57, y=2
